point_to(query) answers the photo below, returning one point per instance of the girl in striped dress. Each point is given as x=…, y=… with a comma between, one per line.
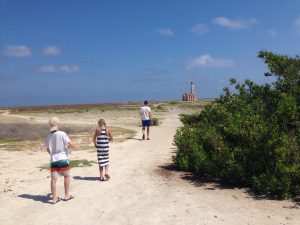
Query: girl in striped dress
x=101, y=140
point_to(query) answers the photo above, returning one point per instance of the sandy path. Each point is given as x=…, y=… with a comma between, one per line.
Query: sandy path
x=142, y=190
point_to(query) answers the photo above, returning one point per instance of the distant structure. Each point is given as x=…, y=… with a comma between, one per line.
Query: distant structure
x=190, y=96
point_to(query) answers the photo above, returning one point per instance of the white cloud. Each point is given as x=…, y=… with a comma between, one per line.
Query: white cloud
x=208, y=61
x=200, y=29
x=46, y=69
x=166, y=31
x=51, y=50
x=297, y=25
x=234, y=24
x=69, y=68
x=57, y=69
x=17, y=51
x=272, y=32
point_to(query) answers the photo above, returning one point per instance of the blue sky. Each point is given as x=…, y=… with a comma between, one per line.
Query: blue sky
x=71, y=51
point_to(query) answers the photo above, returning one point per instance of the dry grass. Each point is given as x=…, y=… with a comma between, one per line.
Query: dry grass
x=30, y=131
x=31, y=137
x=190, y=105
x=78, y=108
x=82, y=108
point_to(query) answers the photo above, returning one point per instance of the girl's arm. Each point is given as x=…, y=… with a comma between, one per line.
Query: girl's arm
x=95, y=136
x=109, y=135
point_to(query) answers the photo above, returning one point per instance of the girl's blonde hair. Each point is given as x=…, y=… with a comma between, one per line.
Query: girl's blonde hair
x=102, y=123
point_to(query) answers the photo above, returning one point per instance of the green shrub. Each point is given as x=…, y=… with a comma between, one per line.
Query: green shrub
x=161, y=108
x=155, y=121
x=250, y=137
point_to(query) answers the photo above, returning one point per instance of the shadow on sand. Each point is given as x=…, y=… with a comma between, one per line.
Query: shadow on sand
x=137, y=139
x=38, y=198
x=297, y=201
x=170, y=170
x=86, y=178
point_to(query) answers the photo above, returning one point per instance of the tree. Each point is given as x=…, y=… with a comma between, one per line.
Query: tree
x=250, y=137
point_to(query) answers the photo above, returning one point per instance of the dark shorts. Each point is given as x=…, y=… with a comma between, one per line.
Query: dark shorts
x=146, y=123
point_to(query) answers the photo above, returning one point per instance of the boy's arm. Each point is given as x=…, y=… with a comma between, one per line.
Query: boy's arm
x=47, y=145
x=71, y=145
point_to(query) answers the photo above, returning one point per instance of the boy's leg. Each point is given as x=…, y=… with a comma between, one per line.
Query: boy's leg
x=148, y=132
x=53, y=189
x=67, y=186
x=143, y=130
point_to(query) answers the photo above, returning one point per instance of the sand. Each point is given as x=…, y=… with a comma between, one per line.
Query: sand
x=143, y=189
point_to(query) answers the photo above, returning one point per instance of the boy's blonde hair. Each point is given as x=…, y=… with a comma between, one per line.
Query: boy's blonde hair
x=101, y=123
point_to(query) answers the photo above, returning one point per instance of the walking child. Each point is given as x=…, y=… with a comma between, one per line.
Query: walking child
x=58, y=144
x=145, y=113
x=101, y=140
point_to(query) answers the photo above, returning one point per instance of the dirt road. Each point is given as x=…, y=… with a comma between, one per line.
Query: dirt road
x=143, y=190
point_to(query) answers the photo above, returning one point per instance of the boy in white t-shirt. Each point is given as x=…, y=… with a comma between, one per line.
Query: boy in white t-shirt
x=58, y=144
x=146, y=116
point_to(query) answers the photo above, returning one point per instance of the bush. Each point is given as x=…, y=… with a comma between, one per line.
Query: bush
x=161, y=108
x=154, y=121
x=250, y=137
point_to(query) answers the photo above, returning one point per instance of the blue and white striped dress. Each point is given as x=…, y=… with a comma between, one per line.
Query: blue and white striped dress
x=102, y=148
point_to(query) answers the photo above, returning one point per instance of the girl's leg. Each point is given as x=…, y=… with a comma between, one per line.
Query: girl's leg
x=106, y=172
x=100, y=170
x=102, y=173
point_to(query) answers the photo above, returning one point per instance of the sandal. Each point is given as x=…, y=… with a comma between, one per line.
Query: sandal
x=67, y=199
x=107, y=176
x=54, y=202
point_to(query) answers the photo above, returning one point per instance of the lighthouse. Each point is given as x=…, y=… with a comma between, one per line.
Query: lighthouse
x=190, y=96
x=192, y=88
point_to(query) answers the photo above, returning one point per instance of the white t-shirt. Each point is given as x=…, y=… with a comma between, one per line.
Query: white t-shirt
x=56, y=142
x=145, y=112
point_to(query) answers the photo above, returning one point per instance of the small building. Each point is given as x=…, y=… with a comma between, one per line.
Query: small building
x=190, y=96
